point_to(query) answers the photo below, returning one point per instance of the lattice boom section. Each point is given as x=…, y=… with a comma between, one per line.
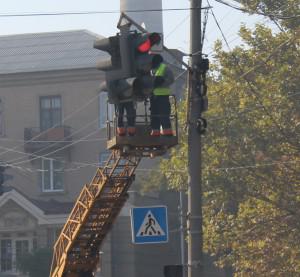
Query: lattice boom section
x=96, y=208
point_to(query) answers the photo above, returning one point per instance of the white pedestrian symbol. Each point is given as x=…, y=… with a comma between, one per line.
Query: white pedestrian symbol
x=150, y=227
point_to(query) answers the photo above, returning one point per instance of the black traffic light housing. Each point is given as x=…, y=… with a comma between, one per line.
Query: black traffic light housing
x=127, y=71
x=112, y=46
x=118, y=72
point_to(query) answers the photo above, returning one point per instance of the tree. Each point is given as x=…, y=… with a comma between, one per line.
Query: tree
x=283, y=12
x=251, y=154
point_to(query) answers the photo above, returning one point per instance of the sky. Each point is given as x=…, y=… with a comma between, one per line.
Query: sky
x=176, y=23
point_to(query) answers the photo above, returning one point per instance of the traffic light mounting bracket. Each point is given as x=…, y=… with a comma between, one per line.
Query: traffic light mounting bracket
x=126, y=20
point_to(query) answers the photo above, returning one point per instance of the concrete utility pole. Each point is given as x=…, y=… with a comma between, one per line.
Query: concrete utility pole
x=195, y=233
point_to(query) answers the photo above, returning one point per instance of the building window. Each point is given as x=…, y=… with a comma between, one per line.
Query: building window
x=22, y=248
x=106, y=111
x=50, y=112
x=52, y=175
x=12, y=250
x=1, y=118
x=6, y=255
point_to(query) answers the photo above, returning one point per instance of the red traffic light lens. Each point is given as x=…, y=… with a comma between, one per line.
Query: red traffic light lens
x=145, y=46
x=149, y=40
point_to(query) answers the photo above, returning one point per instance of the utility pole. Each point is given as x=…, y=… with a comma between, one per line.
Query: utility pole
x=182, y=232
x=196, y=126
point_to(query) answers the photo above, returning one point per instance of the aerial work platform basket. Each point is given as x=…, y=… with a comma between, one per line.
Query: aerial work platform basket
x=142, y=142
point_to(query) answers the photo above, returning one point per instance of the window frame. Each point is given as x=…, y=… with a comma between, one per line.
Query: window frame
x=105, y=107
x=51, y=175
x=13, y=252
x=52, y=110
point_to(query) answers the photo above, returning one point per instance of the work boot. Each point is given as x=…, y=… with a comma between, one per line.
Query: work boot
x=155, y=133
x=167, y=132
x=131, y=131
x=121, y=131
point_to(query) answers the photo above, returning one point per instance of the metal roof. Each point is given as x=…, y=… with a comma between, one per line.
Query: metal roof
x=48, y=51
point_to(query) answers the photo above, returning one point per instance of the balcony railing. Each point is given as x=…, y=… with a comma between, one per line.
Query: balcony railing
x=53, y=138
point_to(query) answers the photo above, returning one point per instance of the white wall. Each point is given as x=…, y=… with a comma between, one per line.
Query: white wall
x=152, y=20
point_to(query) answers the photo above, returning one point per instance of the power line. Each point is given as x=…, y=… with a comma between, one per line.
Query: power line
x=77, y=131
x=47, y=147
x=58, y=124
x=258, y=12
x=51, y=145
x=247, y=110
x=34, y=154
x=244, y=74
x=50, y=141
x=58, y=141
x=230, y=168
x=264, y=21
x=254, y=166
x=96, y=165
x=55, y=151
x=13, y=162
x=177, y=26
x=97, y=12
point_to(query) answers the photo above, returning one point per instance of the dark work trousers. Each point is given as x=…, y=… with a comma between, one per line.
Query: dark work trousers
x=130, y=114
x=160, y=112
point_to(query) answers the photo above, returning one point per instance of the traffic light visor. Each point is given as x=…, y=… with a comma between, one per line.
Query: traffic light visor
x=155, y=38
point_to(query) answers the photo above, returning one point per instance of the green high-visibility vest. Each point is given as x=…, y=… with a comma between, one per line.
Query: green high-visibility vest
x=161, y=90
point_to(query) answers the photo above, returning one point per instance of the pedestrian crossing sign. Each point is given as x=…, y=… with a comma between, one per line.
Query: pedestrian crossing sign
x=149, y=224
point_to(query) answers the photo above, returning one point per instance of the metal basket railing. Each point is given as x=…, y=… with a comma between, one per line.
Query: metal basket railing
x=143, y=118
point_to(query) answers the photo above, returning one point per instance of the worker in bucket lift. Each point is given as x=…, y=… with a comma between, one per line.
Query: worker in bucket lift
x=159, y=101
x=127, y=105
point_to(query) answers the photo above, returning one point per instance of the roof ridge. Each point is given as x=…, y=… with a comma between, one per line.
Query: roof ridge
x=49, y=33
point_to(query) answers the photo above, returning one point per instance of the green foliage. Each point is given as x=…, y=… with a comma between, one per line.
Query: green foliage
x=37, y=263
x=151, y=181
x=251, y=154
x=285, y=12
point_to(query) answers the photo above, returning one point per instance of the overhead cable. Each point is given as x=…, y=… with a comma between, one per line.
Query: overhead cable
x=258, y=12
x=96, y=12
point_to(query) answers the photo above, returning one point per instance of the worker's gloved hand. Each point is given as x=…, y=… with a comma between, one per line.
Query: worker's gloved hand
x=158, y=81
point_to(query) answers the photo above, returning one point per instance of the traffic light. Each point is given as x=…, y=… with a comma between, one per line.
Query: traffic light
x=119, y=82
x=127, y=71
x=141, y=61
